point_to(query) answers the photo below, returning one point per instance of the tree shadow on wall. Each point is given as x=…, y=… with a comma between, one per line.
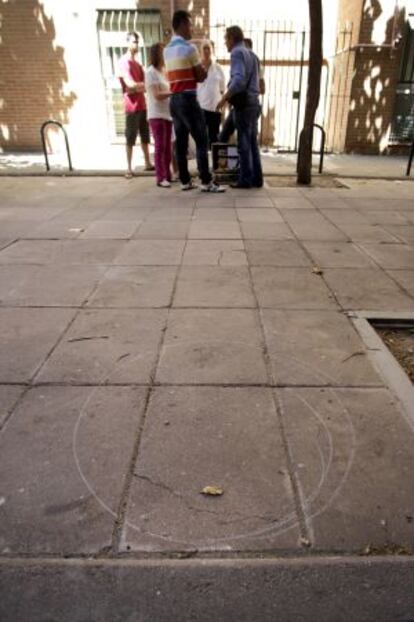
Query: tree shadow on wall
x=374, y=83
x=34, y=75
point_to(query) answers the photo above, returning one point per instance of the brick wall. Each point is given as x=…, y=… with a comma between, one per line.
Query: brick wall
x=370, y=75
x=51, y=69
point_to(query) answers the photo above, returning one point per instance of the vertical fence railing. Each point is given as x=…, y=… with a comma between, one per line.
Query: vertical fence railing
x=282, y=48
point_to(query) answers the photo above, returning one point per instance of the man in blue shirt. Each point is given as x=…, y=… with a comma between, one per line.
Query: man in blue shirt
x=243, y=93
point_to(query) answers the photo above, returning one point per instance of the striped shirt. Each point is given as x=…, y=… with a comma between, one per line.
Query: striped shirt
x=180, y=59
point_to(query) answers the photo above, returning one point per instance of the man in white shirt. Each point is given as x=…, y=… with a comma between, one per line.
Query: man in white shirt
x=210, y=91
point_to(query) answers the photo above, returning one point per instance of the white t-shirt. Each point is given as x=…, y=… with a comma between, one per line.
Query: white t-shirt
x=209, y=92
x=157, y=109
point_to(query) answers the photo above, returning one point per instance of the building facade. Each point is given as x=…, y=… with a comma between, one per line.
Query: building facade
x=59, y=61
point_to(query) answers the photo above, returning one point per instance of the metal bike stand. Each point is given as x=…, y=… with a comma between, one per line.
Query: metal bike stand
x=42, y=134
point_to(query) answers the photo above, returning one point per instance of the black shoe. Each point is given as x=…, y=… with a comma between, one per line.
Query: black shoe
x=239, y=185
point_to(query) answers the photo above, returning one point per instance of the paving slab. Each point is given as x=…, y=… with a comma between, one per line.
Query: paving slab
x=212, y=346
x=405, y=278
x=163, y=230
x=385, y=217
x=111, y=229
x=62, y=252
x=48, y=285
x=391, y=256
x=51, y=230
x=259, y=215
x=128, y=214
x=82, y=214
x=135, y=286
x=292, y=203
x=17, y=229
x=367, y=233
x=227, y=437
x=212, y=230
x=107, y=346
x=338, y=255
x=170, y=213
x=29, y=213
x=215, y=253
x=266, y=231
x=64, y=456
x=402, y=233
x=9, y=394
x=27, y=336
x=285, y=253
x=352, y=451
x=316, y=348
x=348, y=216
x=151, y=253
x=373, y=290
x=215, y=213
x=291, y=288
x=253, y=202
x=310, y=225
x=205, y=286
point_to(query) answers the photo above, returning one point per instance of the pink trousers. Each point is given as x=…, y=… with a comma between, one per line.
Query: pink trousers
x=161, y=131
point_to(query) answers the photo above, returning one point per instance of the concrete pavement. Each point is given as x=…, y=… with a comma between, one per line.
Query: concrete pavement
x=156, y=342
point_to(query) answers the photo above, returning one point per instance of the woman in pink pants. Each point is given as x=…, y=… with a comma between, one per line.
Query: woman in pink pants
x=159, y=117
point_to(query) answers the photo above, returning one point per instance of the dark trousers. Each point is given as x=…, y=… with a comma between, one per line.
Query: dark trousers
x=213, y=120
x=188, y=119
x=228, y=128
x=250, y=165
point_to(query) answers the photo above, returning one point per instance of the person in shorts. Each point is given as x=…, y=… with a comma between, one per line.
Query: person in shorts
x=132, y=78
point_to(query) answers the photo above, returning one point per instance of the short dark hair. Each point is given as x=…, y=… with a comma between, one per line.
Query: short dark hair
x=236, y=33
x=180, y=17
x=132, y=35
x=156, y=54
x=248, y=42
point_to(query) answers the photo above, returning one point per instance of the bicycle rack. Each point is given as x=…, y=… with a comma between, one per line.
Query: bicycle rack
x=410, y=160
x=322, y=149
x=42, y=134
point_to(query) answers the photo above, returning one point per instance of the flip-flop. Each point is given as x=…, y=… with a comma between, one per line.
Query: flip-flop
x=128, y=175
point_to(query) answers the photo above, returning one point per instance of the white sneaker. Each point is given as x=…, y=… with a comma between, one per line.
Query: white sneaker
x=189, y=186
x=164, y=184
x=212, y=187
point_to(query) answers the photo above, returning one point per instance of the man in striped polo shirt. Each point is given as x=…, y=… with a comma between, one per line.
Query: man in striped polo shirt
x=184, y=70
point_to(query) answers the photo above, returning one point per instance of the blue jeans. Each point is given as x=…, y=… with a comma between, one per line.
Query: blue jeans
x=250, y=165
x=188, y=119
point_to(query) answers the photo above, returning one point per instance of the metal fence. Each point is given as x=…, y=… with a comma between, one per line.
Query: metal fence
x=283, y=49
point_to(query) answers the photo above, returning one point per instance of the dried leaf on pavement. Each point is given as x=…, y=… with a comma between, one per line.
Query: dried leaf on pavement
x=213, y=491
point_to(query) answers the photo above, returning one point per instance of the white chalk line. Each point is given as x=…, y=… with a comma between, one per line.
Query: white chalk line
x=287, y=522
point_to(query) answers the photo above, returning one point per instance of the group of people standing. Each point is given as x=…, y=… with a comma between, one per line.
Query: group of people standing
x=186, y=95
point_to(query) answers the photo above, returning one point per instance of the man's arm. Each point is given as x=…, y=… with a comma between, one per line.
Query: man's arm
x=200, y=73
x=131, y=85
x=238, y=78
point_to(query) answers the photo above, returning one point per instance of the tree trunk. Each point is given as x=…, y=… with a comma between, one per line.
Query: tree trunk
x=313, y=93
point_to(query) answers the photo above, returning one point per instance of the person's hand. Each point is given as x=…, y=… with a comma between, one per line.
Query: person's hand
x=221, y=104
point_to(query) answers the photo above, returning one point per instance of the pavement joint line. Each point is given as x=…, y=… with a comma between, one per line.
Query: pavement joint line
x=186, y=556
x=119, y=525
x=299, y=508
x=240, y=558
x=157, y=385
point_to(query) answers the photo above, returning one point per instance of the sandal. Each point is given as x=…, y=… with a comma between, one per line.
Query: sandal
x=128, y=175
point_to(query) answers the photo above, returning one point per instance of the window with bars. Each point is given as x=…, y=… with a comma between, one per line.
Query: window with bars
x=112, y=29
